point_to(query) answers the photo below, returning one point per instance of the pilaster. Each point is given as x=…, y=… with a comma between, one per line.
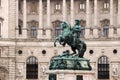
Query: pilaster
x=87, y=30
x=118, y=19
x=95, y=30
x=24, y=19
x=48, y=27
x=72, y=12
x=111, y=20
x=40, y=29
x=64, y=10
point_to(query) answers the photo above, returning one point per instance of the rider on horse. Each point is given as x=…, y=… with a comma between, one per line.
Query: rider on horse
x=76, y=29
x=71, y=36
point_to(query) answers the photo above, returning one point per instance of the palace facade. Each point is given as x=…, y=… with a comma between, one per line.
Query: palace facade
x=28, y=29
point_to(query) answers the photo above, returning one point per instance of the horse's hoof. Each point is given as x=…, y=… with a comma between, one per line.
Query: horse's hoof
x=73, y=53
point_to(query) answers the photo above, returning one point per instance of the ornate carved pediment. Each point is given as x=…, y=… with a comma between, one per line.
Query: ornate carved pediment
x=105, y=22
x=56, y=23
x=33, y=23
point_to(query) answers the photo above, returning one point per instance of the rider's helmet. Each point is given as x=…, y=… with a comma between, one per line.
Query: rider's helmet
x=77, y=22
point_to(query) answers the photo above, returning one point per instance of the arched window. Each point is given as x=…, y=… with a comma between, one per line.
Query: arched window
x=32, y=68
x=103, y=68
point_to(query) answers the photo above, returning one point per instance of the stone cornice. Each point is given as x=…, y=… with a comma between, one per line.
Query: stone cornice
x=51, y=40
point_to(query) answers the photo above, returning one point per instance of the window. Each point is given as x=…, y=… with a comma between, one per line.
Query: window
x=105, y=31
x=106, y=4
x=0, y=2
x=20, y=30
x=33, y=31
x=82, y=24
x=82, y=32
x=32, y=68
x=57, y=31
x=82, y=6
x=79, y=77
x=103, y=68
x=115, y=30
x=57, y=6
x=105, y=27
x=0, y=29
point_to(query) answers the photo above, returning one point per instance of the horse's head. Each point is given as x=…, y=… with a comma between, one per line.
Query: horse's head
x=65, y=25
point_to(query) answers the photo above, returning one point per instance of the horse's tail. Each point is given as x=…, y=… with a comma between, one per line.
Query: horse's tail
x=83, y=49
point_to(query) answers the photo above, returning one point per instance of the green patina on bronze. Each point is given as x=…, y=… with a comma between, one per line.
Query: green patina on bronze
x=71, y=37
x=69, y=62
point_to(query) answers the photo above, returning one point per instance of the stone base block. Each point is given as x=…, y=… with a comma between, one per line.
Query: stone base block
x=71, y=75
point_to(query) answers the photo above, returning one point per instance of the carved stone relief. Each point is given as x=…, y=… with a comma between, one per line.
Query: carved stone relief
x=20, y=71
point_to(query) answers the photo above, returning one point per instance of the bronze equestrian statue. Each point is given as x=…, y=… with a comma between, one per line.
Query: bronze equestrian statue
x=71, y=36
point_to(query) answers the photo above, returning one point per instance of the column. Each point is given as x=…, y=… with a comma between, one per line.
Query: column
x=111, y=20
x=17, y=17
x=87, y=29
x=118, y=20
x=40, y=30
x=64, y=10
x=48, y=29
x=72, y=12
x=95, y=30
x=95, y=12
x=24, y=19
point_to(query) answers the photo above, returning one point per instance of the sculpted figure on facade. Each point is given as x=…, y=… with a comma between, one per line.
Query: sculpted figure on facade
x=20, y=72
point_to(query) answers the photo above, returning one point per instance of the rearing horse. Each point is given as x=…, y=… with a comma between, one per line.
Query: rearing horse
x=67, y=37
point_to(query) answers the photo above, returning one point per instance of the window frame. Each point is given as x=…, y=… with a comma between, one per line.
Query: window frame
x=82, y=6
x=103, y=68
x=33, y=32
x=106, y=4
x=57, y=6
x=32, y=68
x=105, y=31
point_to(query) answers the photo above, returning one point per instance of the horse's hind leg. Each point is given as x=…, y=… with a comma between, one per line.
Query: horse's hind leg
x=82, y=51
x=74, y=50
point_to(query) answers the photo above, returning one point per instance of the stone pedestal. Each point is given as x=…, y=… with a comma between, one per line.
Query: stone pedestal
x=71, y=74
